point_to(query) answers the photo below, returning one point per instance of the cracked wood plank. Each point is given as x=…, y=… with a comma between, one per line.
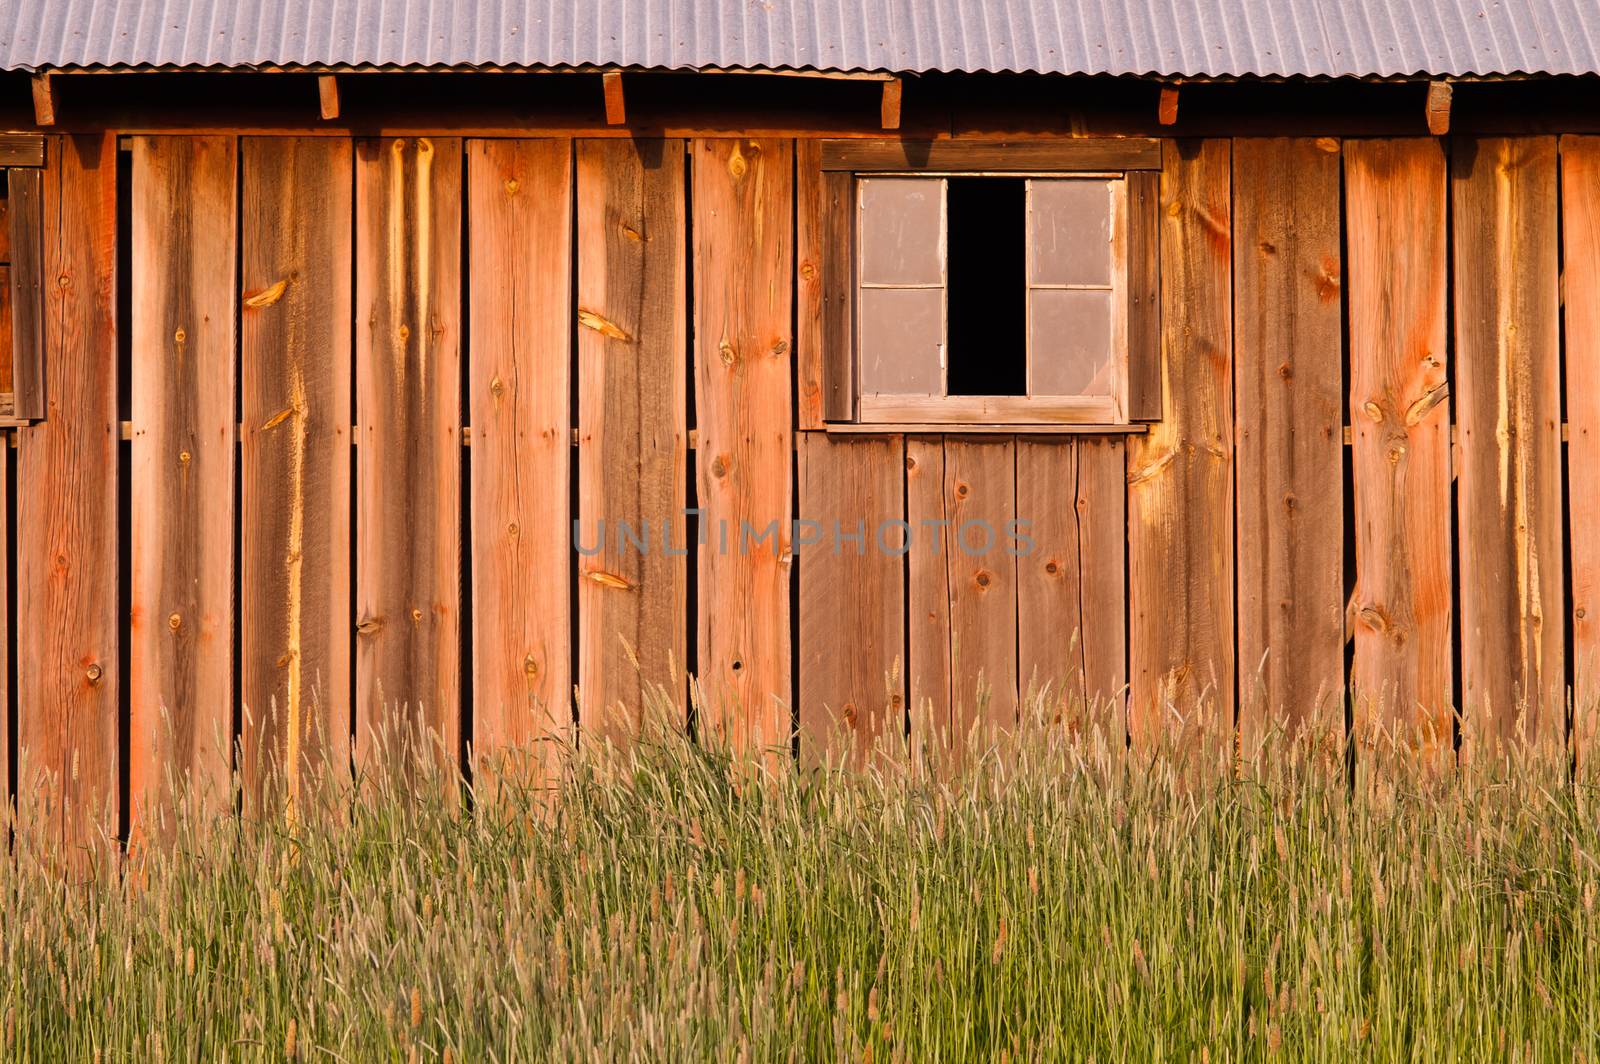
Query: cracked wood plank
x=633, y=432
x=519, y=209
x=68, y=789
x=1180, y=474
x=852, y=597
x=408, y=485
x=1402, y=676
x=1508, y=441
x=743, y=294
x=1289, y=403
x=295, y=629
x=181, y=628
x=1580, y=220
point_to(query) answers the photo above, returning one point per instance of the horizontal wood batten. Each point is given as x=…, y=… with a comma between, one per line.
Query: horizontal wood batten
x=21, y=149
x=986, y=409
x=931, y=428
x=1080, y=153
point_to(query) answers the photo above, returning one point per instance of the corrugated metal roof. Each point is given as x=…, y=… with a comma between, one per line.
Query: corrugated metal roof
x=1174, y=38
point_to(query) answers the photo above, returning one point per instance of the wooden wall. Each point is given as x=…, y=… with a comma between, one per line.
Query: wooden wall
x=313, y=466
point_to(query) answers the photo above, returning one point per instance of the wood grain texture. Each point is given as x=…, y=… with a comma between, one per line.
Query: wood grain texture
x=26, y=221
x=519, y=214
x=296, y=631
x=1580, y=241
x=1180, y=475
x=981, y=555
x=928, y=603
x=1050, y=608
x=68, y=790
x=1289, y=403
x=633, y=431
x=743, y=295
x=1144, y=296
x=1508, y=440
x=1073, y=153
x=1402, y=676
x=851, y=547
x=184, y=238
x=1102, y=579
x=408, y=486
x=824, y=225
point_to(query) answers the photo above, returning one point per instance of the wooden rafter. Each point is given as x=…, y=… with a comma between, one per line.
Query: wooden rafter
x=616, y=104
x=328, y=96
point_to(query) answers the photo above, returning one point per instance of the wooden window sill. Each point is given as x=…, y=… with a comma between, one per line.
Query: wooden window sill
x=948, y=428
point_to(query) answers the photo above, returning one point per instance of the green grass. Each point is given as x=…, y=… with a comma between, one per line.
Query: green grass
x=669, y=903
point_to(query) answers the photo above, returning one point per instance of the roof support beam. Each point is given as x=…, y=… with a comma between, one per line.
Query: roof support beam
x=44, y=100
x=1167, y=107
x=890, y=108
x=328, y=96
x=616, y=105
x=1439, y=107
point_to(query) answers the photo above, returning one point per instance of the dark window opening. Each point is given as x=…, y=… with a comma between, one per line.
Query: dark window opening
x=986, y=310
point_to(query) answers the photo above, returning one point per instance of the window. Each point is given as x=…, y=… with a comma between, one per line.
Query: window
x=21, y=277
x=1005, y=293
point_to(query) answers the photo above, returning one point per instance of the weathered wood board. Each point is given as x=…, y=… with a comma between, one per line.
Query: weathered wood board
x=824, y=227
x=981, y=556
x=184, y=243
x=743, y=353
x=25, y=220
x=1180, y=474
x=851, y=549
x=1050, y=606
x=68, y=629
x=296, y=631
x=1508, y=442
x=633, y=433
x=408, y=483
x=927, y=602
x=1102, y=580
x=1289, y=404
x=1402, y=676
x=1580, y=240
x=519, y=214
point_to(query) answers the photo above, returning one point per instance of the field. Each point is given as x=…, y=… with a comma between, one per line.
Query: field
x=1059, y=900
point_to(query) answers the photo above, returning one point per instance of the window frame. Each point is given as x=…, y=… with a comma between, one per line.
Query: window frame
x=1135, y=161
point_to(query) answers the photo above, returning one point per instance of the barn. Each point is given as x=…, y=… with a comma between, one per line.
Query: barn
x=844, y=372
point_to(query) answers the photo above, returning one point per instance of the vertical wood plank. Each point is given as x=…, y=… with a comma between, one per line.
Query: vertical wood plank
x=1580, y=240
x=1050, y=608
x=295, y=631
x=633, y=430
x=1102, y=579
x=743, y=293
x=519, y=213
x=1402, y=676
x=1288, y=390
x=1508, y=417
x=1144, y=295
x=184, y=237
x=928, y=601
x=851, y=547
x=408, y=493
x=980, y=499
x=1180, y=475
x=26, y=222
x=824, y=226
x=67, y=624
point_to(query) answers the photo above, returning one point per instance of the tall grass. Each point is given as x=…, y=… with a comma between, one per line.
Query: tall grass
x=1060, y=900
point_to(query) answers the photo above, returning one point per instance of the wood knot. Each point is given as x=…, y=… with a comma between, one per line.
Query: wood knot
x=737, y=166
x=808, y=271
x=497, y=387
x=728, y=354
x=1581, y=613
x=405, y=333
x=850, y=715
x=530, y=666
x=370, y=626
x=633, y=234
x=1051, y=567
x=1268, y=247
x=416, y=615
x=1373, y=411
x=513, y=186
x=180, y=336
x=983, y=578
x=1286, y=371
x=185, y=457
x=780, y=349
x=94, y=672
x=737, y=665
x=962, y=489
x=175, y=622
x=513, y=529
x=719, y=466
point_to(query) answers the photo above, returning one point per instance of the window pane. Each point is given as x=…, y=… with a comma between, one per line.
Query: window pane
x=900, y=332
x=1069, y=342
x=901, y=233
x=1071, y=238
